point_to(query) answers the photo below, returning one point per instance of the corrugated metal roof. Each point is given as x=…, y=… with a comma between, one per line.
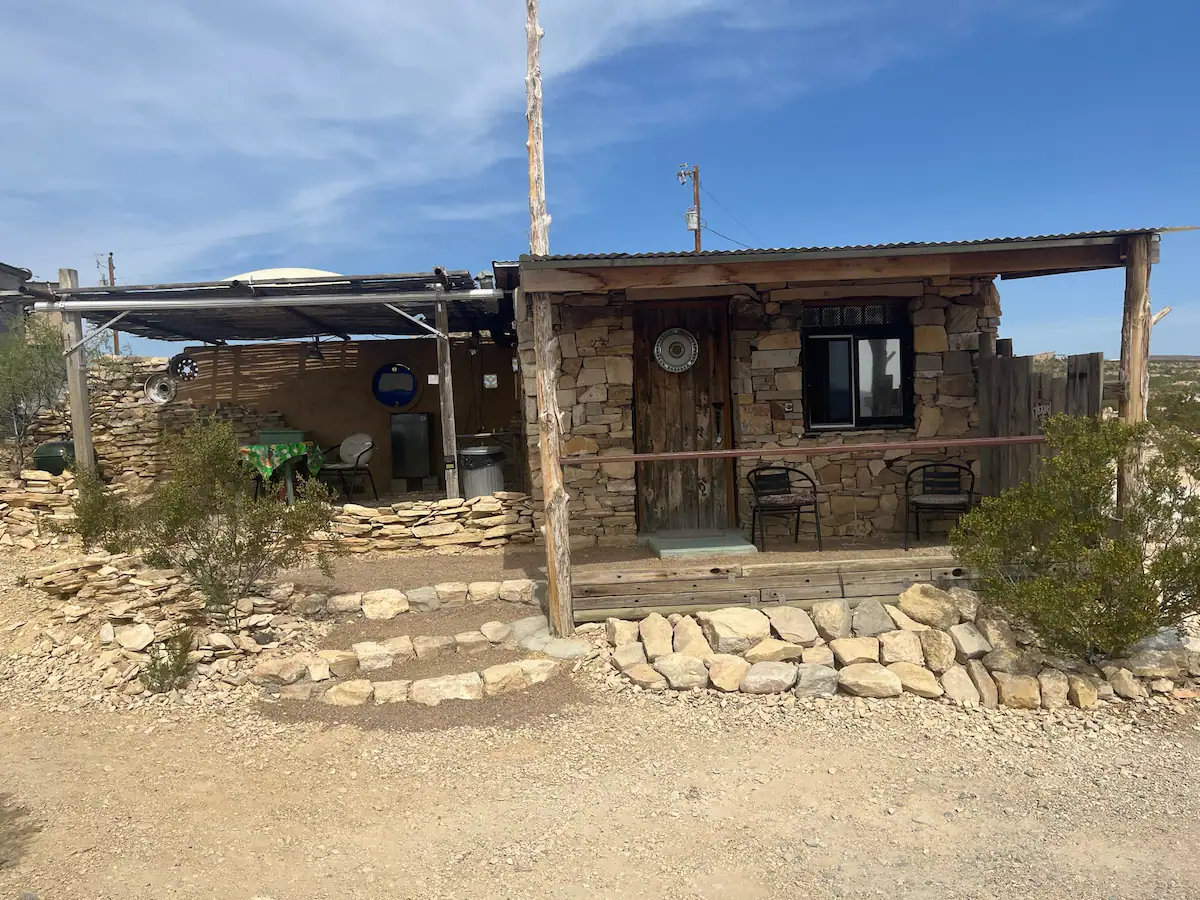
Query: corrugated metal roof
x=865, y=249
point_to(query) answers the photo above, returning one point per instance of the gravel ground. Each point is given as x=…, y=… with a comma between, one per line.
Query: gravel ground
x=438, y=622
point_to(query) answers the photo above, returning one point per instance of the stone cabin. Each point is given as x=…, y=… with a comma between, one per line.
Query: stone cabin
x=792, y=348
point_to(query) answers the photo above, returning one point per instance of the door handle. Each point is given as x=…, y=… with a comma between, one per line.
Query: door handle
x=718, y=424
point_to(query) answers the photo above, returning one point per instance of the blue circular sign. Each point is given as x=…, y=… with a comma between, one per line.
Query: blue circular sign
x=395, y=385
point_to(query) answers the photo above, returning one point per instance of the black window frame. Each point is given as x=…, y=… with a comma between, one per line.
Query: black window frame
x=898, y=327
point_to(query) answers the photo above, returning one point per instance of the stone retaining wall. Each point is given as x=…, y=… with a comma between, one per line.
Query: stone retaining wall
x=951, y=318
x=31, y=505
x=493, y=521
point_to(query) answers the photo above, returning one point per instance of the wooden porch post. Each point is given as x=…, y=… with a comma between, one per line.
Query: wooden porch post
x=556, y=530
x=1135, y=350
x=77, y=386
x=446, y=398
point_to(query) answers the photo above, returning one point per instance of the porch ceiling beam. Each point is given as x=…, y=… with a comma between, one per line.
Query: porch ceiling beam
x=172, y=334
x=133, y=303
x=596, y=276
x=315, y=322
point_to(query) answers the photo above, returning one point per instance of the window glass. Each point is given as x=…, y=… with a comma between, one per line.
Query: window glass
x=879, y=378
x=830, y=381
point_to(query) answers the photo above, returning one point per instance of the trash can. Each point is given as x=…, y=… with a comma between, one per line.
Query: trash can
x=54, y=457
x=481, y=469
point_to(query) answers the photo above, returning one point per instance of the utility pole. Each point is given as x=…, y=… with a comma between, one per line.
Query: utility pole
x=693, y=214
x=547, y=355
x=112, y=279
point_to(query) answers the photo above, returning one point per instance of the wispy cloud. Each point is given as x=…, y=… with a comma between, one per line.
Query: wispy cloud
x=206, y=130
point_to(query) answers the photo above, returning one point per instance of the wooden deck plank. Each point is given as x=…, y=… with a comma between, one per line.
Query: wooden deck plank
x=674, y=573
x=709, y=600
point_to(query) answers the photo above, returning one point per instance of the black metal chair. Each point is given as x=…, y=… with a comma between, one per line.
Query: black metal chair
x=782, y=491
x=941, y=487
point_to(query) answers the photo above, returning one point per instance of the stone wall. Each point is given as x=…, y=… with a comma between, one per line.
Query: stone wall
x=502, y=518
x=860, y=494
x=127, y=428
x=32, y=505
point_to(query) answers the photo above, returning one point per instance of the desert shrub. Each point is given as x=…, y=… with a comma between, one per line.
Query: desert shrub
x=33, y=377
x=203, y=519
x=167, y=667
x=1090, y=577
x=1178, y=408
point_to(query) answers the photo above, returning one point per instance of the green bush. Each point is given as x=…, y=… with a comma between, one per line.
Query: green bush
x=1090, y=577
x=167, y=667
x=33, y=376
x=202, y=519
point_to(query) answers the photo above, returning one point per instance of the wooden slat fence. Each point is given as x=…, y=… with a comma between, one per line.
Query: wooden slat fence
x=1015, y=400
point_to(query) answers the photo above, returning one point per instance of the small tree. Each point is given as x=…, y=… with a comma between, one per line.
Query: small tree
x=1092, y=578
x=33, y=376
x=203, y=520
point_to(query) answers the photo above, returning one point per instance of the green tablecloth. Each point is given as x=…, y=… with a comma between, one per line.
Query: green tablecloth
x=266, y=458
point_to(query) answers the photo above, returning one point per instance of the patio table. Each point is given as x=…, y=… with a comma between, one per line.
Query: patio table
x=267, y=459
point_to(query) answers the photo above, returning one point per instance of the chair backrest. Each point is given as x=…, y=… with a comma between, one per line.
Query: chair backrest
x=767, y=481
x=943, y=478
x=357, y=449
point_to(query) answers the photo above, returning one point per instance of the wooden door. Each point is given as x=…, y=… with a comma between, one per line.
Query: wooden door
x=686, y=410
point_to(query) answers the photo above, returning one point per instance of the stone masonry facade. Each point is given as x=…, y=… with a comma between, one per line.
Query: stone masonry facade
x=953, y=320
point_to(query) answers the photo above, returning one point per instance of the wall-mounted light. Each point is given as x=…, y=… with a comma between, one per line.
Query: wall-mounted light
x=314, y=352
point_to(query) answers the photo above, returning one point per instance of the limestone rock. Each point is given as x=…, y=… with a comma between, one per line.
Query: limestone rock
x=452, y=593
x=683, y=672
x=523, y=628
x=471, y=642
x=626, y=655
x=773, y=650
x=400, y=647
x=1012, y=662
x=832, y=619
x=1018, y=691
x=517, y=590
x=1054, y=687
x=901, y=646
x=1127, y=687
x=279, y=670
x=689, y=639
x=657, y=636
x=496, y=632
x=989, y=697
x=301, y=690
x=349, y=693
x=792, y=624
x=341, y=662
x=929, y=605
x=566, y=648
x=345, y=603
x=391, y=691
x=968, y=642
x=938, y=647
x=818, y=656
x=848, y=651
x=726, y=671
x=997, y=633
x=384, y=604
x=871, y=619
x=432, y=691
x=373, y=655
x=769, y=678
x=483, y=591
x=967, y=602
x=621, y=631
x=423, y=599
x=1081, y=691
x=539, y=670
x=108, y=634
x=959, y=687
x=432, y=646
x=902, y=620
x=647, y=677
x=734, y=630
x=815, y=681
x=869, y=680
x=318, y=669
x=218, y=641
x=134, y=637
x=1157, y=663
x=503, y=679
x=917, y=680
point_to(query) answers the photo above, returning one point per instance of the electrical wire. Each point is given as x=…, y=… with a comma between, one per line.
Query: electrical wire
x=731, y=215
x=726, y=237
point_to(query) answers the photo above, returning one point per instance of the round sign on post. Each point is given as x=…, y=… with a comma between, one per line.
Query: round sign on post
x=676, y=350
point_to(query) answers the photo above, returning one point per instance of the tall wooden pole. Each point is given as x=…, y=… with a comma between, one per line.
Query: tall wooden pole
x=77, y=386
x=556, y=529
x=696, y=202
x=112, y=280
x=446, y=400
x=1135, y=350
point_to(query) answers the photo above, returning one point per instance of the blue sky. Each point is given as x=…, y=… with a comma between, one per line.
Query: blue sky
x=201, y=139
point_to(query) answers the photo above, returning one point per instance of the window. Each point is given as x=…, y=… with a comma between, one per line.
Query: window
x=857, y=366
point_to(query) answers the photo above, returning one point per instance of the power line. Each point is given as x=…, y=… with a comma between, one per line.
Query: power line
x=731, y=215
x=726, y=237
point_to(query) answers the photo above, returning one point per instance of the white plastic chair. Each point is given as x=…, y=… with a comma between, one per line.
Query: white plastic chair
x=354, y=453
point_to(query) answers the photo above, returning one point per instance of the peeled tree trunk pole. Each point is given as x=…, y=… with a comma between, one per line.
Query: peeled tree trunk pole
x=1135, y=354
x=556, y=529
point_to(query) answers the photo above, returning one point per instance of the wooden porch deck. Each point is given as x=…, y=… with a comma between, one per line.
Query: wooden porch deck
x=633, y=593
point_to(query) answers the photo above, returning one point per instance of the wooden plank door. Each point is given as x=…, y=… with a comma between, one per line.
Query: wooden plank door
x=683, y=411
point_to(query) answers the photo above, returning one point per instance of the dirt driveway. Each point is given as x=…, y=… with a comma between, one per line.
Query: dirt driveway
x=615, y=797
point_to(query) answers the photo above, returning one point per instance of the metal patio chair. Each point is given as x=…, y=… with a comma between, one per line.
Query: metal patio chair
x=782, y=491
x=353, y=454
x=936, y=487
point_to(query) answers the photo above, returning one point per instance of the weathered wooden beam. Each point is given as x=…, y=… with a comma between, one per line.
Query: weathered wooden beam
x=446, y=400
x=1135, y=352
x=689, y=273
x=77, y=386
